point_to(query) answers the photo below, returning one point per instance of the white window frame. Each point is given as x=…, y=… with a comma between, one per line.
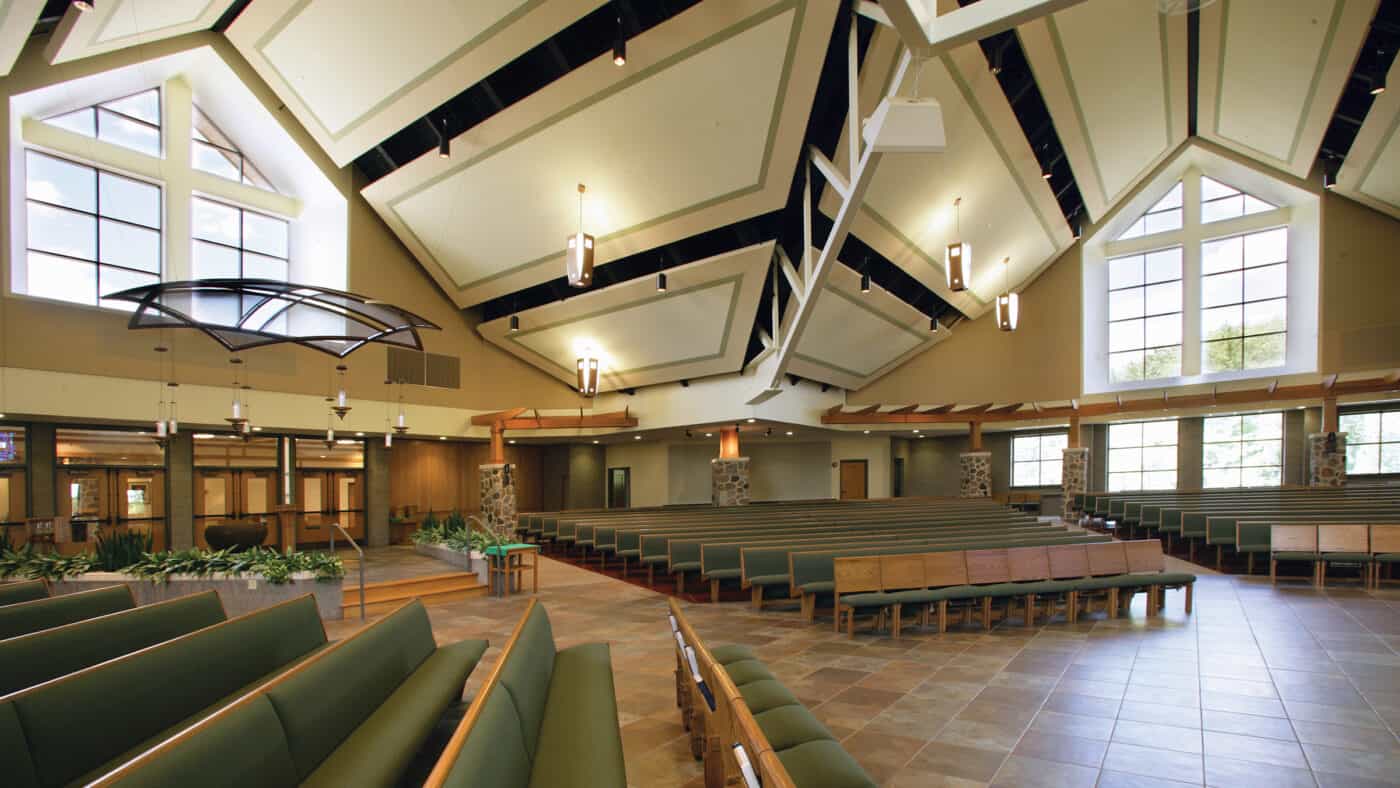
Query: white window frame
x=173, y=172
x=1039, y=438
x=1298, y=210
x=1139, y=446
x=1380, y=442
x=1205, y=443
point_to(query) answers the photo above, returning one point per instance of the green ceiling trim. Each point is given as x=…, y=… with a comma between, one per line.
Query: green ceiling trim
x=97, y=36
x=1059, y=46
x=1381, y=146
x=734, y=281
x=712, y=40
x=860, y=303
x=490, y=32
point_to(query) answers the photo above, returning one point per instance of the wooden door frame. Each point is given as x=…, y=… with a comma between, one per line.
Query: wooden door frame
x=840, y=469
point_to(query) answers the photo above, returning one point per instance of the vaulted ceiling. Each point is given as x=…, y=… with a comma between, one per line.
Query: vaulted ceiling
x=694, y=152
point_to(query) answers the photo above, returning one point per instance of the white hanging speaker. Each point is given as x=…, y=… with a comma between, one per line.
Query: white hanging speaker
x=902, y=124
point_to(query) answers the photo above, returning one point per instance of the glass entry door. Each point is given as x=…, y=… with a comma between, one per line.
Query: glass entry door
x=327, y=497
x=234, y=496
x=102, y=500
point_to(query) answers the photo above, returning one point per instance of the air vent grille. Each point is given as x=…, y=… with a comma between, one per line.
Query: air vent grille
x=417, y=368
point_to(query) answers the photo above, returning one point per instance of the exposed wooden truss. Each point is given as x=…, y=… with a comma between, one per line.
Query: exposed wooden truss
x=1328, y=390
x=514, y=419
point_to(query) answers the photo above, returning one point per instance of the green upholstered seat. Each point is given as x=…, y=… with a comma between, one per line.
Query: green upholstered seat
x=1347, y=558
x=731, y=653
x=39, y=656
x=527, y=674
x=25, y=617
x=494, y=754
x=1254, y=547
x=1387, y=558
x=823, y=764
x=1045, y=586
x=628, y=553
x=1106, y=582
x=873, y=599
x=955, y=593
x=770, y=580
x=724, y=574
x=819, y=587
x=789, y=726
x=917, y=596
x=87, y=723
x=1163, y=578
x=685, y=566
x=580, y=744
x=746, y=671
x=22, y=591
x=1295, y=555
x=760, y=696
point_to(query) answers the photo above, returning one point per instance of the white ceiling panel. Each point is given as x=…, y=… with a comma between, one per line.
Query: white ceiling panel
x=1114, y=76
x=17, y=18
x=117, y=24
x=666, y=146
x=699, y=327
x=1007, y=209
x=1371, y=172
x=854, y=337
x=1271, y=72
x=387, y=68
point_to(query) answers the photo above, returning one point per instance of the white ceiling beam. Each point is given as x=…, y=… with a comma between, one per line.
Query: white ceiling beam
x=827, y=168
x=16, y=24
x=799, y=290
x=873, y=11
x=929, y=33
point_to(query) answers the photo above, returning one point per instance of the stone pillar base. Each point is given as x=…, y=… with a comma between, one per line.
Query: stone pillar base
x=1074, y=478
x=1327, y=468
x=498, y=497
x=976, y=474
x=729, y=481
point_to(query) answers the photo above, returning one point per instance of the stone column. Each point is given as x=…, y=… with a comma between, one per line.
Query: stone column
x=40, y=452
x=179, y=490
x=1074, y=478
x=976, y=474
x=729, y=481
x=1327, y=465
x=498, y=496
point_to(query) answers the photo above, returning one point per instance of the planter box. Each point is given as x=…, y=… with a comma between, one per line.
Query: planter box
x=239, y=593
x=476, y=562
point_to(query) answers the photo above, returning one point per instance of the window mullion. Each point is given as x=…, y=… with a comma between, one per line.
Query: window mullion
x=1191, y=275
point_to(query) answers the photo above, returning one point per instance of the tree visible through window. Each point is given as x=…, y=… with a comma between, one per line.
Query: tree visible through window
x=1142, y=455
x=1243, y=451
x=1244, y=301
x=1144, y=315
x=1036, y=459
x=1373, y=442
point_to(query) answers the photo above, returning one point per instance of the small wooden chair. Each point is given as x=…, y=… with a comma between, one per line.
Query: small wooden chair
x=1347, y=543
x=1107, y=559
x=1293, y=543
x=1385, y=551
x=987, y=567
x=901, y=573
x=944, y=570
x=858, y=579
x=1069, y=562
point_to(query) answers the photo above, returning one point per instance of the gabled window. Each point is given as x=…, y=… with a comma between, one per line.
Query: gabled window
x=1219, y=202
x=1163, y=217
x=213, y=152
x=131, y=122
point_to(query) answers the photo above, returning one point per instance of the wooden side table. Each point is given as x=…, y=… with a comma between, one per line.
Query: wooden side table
x=508, y=561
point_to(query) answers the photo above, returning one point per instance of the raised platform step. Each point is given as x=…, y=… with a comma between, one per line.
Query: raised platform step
x=387, y=594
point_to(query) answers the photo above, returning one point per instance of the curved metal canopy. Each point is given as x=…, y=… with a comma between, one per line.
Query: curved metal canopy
x=247, y=313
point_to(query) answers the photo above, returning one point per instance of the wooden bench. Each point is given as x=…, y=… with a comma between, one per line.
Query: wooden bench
x=1385, y=552
x=1344, y=543
x=1293, y=543
x=544, y=717
x=22, y=618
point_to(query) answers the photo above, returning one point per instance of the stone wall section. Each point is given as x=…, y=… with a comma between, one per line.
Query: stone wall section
x=498, y=497
x=729, y=481
x=1074, y=478
x=1327, y=468
x=975, y=477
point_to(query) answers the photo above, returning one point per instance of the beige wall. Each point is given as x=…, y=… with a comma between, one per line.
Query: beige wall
x=875, y=450
x=648, y=462
x=1360, y=325
x=980, y=363
x=43, y=335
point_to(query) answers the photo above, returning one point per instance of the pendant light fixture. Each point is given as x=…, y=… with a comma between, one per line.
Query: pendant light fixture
x=401, y=423
x=161, y=426
x=342, y=396
x=588, y=374
x=1377, y=77
x=330, y=430
x=515, y=324
x=173, y=421
x=247, y=428
x=237, y=418
x=933, y=325
x=444, y=141
x=957, y=258
x=578, y=261
x=388, y=433
x=865, y=276
x=1008, y=303
x=661, y=282
x=619, y=46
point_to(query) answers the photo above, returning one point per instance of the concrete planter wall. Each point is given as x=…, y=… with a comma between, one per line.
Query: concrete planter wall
x=476, y=562
x=239, y=593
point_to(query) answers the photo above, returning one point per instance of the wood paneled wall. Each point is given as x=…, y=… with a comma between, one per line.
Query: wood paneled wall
x=443, y=475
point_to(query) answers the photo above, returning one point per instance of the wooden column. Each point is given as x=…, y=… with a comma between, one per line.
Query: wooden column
x=974, y=436
x=729, y=442
x=498, y=443
x=287, y=526
x=1329, y=414
x=1074, y=432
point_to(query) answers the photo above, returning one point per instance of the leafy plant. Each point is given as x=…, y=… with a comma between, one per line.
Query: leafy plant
x=27, y=563
x=275, y=567
x=120, y=550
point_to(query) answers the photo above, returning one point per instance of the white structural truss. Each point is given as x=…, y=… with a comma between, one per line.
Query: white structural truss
x=924, y=33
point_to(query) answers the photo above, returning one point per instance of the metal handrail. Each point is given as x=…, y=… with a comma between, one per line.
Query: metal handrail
x=351, y=540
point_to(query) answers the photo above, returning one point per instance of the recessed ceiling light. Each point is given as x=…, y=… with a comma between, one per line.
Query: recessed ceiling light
x=867, y=432
x=789, y=432
x=359, y=435
x=323, y=456
x=444, y=437
x=203, y=436
x=595, y=441
x=636, y=437
x=916, y=432
x=709, y=435
x=751, y=421
x=257, y=429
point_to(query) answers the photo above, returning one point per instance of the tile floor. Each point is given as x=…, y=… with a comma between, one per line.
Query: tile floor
x=1262, y=686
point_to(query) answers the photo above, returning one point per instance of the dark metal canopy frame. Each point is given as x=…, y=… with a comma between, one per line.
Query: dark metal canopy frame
x=341, y=322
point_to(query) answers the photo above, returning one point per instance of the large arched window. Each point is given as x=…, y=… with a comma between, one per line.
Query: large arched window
x=1202, y=279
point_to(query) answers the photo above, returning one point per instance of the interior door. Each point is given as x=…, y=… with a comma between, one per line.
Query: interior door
x=350, y=502
x=86, y=499
x=257, y=495
x=853, y=479
x=140, y=503
x=316, y=501
x=619, y=488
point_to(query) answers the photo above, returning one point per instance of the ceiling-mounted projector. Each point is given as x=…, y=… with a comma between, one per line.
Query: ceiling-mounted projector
x=906, y=125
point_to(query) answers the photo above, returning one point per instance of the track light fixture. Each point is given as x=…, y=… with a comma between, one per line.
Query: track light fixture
x=1330, y=167
x=619, y=46
x=515, y=324
x=865, y=283
x=1378, y=76
x=933, y=325
x=83, y=6
x=444, y=141
x=661, y=283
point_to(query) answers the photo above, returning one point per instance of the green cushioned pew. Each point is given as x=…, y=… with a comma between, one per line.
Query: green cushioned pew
x=747, y=726
x=22, y=591
x=34, y=658
x=78, y=727
x=545, y=718
x=355, y=713
x=22, y=618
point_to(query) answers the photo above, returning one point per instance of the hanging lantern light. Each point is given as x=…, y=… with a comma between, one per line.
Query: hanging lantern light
x=578, y=261
x=957, y=258
x=160, y=422
x=237, y=418
x=174, y=420
x=588, y=374
x=401, y=425
x=1008, y=303
x=247, y=427
x=342, y=397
